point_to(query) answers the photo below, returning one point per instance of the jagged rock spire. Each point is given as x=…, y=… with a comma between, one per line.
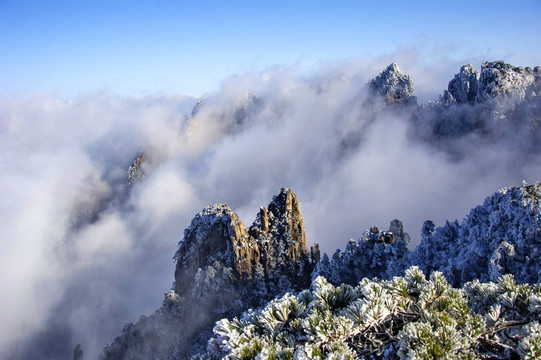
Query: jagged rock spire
x=465, y=85
x=394, y=86
x=276, y=242
x=496, y=81
x=221, y=270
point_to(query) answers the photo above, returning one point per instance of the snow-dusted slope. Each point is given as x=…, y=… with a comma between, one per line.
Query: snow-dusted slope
x=499, y=102
x=224, y=268
x=501, y=236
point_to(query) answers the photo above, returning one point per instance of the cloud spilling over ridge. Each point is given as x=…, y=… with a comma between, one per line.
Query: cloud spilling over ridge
x=84, y=253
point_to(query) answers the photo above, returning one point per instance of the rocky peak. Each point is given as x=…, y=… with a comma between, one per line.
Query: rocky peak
x=394, y=86
x=275, y=243
x=78, y=353
x=399, y=234
x=502, y=99
x=394, y=234
x=287, y=224
x=464, y=86
x=499, y=80
x=136, y=171
x=221, y=270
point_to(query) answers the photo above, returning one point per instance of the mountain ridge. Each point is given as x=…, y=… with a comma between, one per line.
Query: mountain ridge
x=226, y=267
x=224, y=288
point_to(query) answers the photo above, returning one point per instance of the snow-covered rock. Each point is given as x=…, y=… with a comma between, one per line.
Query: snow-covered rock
x=497, y=81
x=377, y=254
x=502, y=81
x=496, y=103
x=222, y=269
x=394, y=86
x=248, y=105
x=501, y=236
x=464, y=86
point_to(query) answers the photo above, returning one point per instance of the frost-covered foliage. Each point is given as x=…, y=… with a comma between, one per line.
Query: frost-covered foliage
x=222, y=270
x=408, y=317
x=497, y=101
x=376, y=254
x=502, y=236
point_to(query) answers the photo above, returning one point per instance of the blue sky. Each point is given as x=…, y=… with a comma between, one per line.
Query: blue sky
x=189, y=47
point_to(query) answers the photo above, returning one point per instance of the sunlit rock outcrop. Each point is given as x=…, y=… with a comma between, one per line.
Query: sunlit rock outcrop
x=222, y=268
x=394, y=86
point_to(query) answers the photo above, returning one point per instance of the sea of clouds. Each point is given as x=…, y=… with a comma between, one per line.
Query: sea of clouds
x=84, y=253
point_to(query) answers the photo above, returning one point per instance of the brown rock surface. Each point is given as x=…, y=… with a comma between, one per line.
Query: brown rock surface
x=276, y=241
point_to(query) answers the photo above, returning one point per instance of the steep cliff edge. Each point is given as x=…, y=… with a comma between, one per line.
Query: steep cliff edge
x=222, y=269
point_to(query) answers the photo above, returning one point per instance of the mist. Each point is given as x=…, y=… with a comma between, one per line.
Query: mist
x=84, y=252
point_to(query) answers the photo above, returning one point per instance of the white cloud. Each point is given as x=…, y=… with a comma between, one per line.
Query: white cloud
x=68, y=220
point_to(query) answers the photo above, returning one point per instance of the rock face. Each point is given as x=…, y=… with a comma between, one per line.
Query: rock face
x=135, y=171
x=275, y=244
x=248, y=105
x=502, y=81
x=464, y=86
x=396, y=87
x=499, y=101
x=222, y=269
x=197, y=107
x=378, y=253
x=497, y=81
x=500, y=236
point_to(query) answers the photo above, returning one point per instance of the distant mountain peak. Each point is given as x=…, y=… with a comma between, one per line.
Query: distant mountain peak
x=394, y=86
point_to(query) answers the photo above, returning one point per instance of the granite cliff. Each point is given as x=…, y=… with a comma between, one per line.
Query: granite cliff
x=222, y=269
x=492, y=104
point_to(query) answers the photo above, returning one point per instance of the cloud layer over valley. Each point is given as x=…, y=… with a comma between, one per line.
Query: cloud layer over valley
x=84, y=252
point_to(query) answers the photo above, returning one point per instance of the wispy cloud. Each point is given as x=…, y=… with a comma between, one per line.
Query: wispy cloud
x=83, y=253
